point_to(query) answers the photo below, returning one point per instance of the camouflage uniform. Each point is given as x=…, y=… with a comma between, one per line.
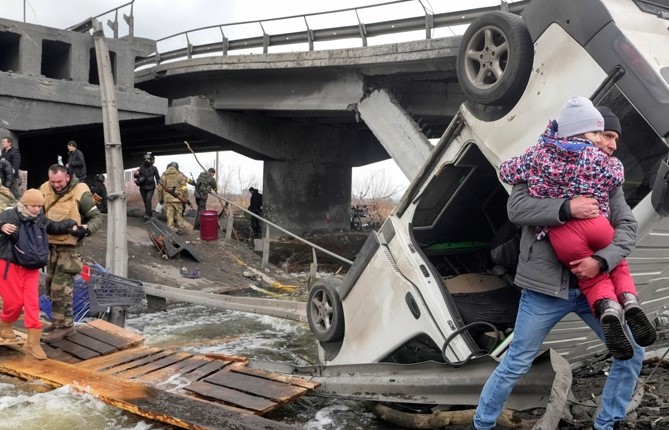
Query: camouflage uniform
x=171, y=182
x=6, y=198
x=74, y=202
x=203, y=186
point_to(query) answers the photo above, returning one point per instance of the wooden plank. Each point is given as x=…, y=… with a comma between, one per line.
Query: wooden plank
x=92, y=344
x=136, y=363
x=206, y=370
x=256, y=404
x=131, y=338
x=174, y=409
x=277, y=391
x=154, y=365
x=127, y=355
x=174, y=371
x=59, y=355
x=102, y=336
x=74, y=349
x=16, y=341
x=293, y=380
x=20, y=339
x=228, y=357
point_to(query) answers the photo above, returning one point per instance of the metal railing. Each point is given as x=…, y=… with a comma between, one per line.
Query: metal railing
x=428, y=22
x=228, y=205
x=87, y=24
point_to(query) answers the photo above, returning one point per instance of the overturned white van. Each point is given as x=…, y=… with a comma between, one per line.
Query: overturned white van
x=424, y=287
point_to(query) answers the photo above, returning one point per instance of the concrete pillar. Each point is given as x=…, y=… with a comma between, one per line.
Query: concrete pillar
x=30, y=54
x=396, y=131
x=125, y=50
x=80, y=58
x=307, y=197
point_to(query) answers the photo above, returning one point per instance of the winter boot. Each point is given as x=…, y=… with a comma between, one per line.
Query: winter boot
x=57, y=331
x=610, y=315
x=6, y=331
x=470, y=426
x=643, y=331
x=32, y=345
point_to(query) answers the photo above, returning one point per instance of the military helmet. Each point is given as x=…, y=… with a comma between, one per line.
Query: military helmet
x=173, y=164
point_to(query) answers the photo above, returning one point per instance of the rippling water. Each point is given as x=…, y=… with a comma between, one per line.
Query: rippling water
x=29, y=406
x=196, y=329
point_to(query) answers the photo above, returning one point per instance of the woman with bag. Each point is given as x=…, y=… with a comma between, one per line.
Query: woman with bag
x=24, y=249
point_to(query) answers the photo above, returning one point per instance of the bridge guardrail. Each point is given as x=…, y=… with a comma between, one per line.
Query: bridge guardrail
x=87, y=24
x=228, y=205
x=428, y=22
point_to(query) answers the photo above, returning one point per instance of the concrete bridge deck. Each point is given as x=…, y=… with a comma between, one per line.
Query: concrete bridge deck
x=310, y=116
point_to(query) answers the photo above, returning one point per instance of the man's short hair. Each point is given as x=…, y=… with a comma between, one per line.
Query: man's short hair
x=8, y=139
x=72, y=143
x=211, y=170
x=57, y=168
x=252, y=189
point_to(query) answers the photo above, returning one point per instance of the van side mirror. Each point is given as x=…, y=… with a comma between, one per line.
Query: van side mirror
x=660, y=194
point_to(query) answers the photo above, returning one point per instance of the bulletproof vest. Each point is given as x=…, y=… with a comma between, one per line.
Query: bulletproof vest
x=172, y=181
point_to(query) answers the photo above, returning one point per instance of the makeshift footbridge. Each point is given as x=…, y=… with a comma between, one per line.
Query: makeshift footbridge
x=217, y=391
x=182, y=389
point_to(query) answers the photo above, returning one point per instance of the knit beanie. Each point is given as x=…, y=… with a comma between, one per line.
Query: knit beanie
x=579, y=116
x=611, y=121
x=32, y=197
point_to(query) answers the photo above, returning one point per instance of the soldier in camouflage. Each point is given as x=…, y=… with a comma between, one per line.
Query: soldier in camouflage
x=65, y=197
x=205, y=183
x=173, y=192
x=6, y=198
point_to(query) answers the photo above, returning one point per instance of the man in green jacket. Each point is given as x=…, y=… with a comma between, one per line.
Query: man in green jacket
x=205, y=183
x=66, y=198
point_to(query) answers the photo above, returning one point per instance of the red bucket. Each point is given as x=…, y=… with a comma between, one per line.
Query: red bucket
x=208, y=225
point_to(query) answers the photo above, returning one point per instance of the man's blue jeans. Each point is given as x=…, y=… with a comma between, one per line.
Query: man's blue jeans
x=537, y=315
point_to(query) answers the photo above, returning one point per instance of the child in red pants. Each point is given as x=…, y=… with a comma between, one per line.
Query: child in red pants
x=573, y=158
x=19, y=284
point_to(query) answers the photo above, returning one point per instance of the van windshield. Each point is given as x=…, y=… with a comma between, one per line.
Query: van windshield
x=640, y=148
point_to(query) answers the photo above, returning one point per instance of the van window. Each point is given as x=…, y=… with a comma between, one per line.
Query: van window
x=464, y=202
x=640, y=148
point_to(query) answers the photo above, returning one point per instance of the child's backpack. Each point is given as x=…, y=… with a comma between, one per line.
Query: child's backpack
x=31, y=249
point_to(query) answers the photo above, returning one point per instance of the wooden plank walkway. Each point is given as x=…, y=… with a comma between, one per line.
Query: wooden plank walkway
x=176, y=387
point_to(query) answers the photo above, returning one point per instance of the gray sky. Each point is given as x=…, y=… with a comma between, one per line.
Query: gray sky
x=156, y=19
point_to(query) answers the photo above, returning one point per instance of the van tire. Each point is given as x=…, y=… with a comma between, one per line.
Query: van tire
x=488, y=73
x=325, y=314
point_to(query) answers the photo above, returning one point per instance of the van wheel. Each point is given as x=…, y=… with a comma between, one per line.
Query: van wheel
x=495, y=59
x=325, y=314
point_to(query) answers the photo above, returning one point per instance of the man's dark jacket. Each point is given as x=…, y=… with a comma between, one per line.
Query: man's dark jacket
x=76, y=163
x=151, y=176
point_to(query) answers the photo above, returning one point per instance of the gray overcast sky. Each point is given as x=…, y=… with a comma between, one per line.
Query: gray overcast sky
x=156, y=19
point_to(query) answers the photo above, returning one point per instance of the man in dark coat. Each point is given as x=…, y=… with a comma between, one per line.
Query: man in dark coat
x=13, y=156
x=75, y=161
x=146, y=178
x=99, y=191
x=256, y=208
x=6, y=173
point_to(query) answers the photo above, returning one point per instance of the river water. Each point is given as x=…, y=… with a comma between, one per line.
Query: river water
x=196, y=329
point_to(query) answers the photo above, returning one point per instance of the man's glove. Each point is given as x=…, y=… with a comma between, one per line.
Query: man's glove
x=80, y=231
x=60, y=227
x=68, y=224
